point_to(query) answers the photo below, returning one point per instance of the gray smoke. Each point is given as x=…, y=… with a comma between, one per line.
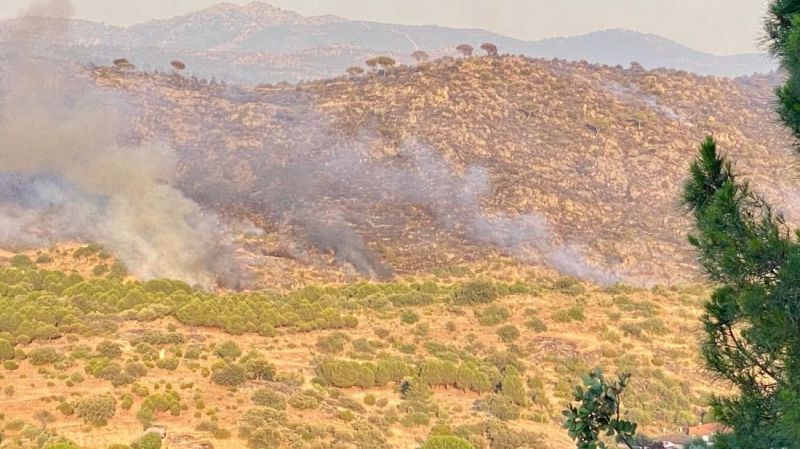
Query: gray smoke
x=65, y=174
x=307, y=192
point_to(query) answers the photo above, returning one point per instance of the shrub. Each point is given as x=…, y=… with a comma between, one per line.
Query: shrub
x=333, y=343
x=574, y=313
x=150, y=440
x=475, y=292
x=229, y=375
x=6, y=350
x=409, y=317
x=502, y=407
x=258, y=368
x=508, y=333
x=416, y=419
x=492, y=315
x=535, y=324
x=108, y=349
x=446, y=442
x=10, y=365
x=168, y=363
x=96, y=410
x=43, y=356
x=267, y=398
x=228, y=350
x=306, y=400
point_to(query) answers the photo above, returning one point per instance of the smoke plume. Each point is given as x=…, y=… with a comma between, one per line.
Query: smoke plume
x=66, y=175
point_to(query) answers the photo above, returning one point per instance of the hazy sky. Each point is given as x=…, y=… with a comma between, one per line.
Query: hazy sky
x=716, y=26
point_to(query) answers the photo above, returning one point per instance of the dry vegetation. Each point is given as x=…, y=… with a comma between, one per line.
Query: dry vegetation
x=361, y=365
x=599, y=151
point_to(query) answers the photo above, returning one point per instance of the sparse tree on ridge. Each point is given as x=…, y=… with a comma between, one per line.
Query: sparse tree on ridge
x=420, y=56
x=490, y=49
x=354, y=70
x=465, y=50
x=178, y=66
x=384, y=62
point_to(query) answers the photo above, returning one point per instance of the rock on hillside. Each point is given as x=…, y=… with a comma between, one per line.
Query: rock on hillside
x=570, y=165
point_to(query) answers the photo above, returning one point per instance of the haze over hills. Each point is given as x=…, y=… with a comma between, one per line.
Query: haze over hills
x=569, y=165
x=259, y=43
x=368, y=261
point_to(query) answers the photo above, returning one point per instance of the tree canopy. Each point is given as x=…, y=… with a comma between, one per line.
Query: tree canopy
x=752, y=321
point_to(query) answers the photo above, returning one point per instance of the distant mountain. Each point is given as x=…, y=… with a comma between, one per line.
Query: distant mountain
x=260, y=43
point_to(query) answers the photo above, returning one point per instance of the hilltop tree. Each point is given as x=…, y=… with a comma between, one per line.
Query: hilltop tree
x=420, y=56
x=465, y=50
x=490, y=49
x=178, y=66
x=751, y=321
x=384, y=62
x=354, y=70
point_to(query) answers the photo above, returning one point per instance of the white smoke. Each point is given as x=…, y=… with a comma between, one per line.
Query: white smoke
x=65, y=174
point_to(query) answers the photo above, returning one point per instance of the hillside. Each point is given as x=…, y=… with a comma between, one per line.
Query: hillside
x=569, y=165
x=364, y=365
x=257, y=42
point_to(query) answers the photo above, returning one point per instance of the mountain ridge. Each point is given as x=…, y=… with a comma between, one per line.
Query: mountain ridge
x=227, y=41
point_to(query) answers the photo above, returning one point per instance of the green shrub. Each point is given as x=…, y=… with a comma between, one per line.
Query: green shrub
x=574, y=313
x=43, y=356
x=268, y=398
x=475, y=292
x=502, y=407
x=492, y=315
x=6, y=350
x=229, y=375
x=333, y=343
x=228, y=350
x=446, y=442
x=409, y=317
x=150, y=440
x=508, y=333
x=416, y=419
x=108, y=349
x=535, y=324
x=96, y=410
x=305, y=401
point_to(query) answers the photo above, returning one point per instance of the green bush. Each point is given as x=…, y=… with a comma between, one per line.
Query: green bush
x=535, y=324
x=96, y=410
x=502, y=408
x=333, y=343
x=492, y=315
x=228, y=350
x=229, y=375
x=6, y=350
x=446, y=442
x=43, y=356
x=108, y=349
x=508, y=333
x=574, y=313
x=268, y=398
x=150, y=440
x=305, y=401
x=475, y=292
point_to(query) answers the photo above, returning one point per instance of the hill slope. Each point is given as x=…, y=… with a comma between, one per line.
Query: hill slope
x=569, y=165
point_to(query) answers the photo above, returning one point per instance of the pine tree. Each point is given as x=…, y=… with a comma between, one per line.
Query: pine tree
x=752, y=321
